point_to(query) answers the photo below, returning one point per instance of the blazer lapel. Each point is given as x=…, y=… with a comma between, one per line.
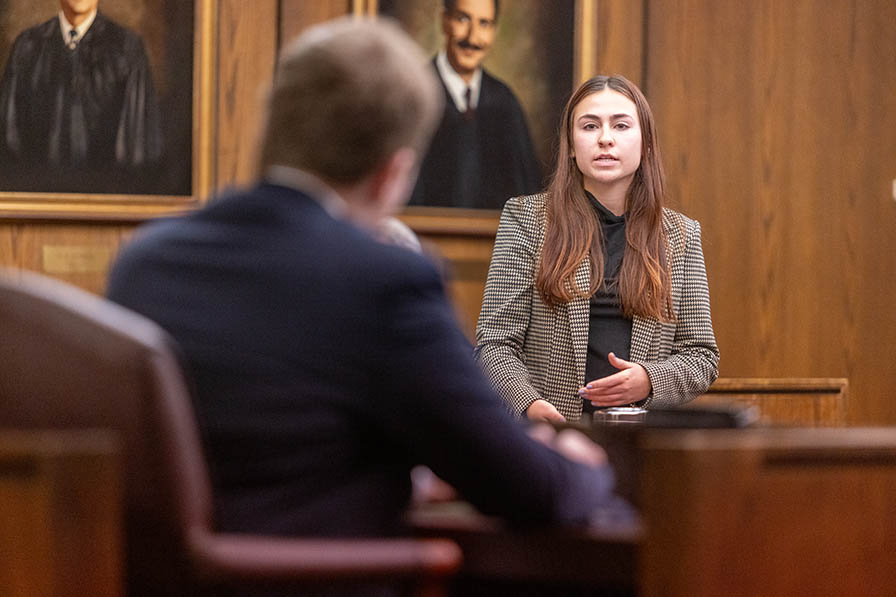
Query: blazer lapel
x=579, y=311
x=644, y=332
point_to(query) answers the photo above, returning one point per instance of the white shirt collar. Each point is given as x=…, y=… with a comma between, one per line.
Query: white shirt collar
x=81, y=29
x=309, y=184
x=456, y=85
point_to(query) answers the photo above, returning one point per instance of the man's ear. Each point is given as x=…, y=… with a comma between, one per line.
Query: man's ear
x=393, y=182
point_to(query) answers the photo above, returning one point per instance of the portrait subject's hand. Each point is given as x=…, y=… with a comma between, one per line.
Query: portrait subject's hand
x=630, y=384
x=542, y=410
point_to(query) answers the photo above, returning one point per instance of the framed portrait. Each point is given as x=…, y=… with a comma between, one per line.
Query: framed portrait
x=109, y=119
x=507, y=69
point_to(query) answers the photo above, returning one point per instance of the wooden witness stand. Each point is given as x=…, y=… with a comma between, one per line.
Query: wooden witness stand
x=769, y=512
x=765, y=510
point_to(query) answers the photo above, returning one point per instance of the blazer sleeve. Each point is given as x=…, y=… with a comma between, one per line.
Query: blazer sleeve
x=507, y=306
x=693, y=363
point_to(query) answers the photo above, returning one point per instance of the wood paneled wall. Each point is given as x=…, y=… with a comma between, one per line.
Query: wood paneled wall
x=778, y=126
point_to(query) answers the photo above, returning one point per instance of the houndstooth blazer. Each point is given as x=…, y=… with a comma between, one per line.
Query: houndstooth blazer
x=530, y=351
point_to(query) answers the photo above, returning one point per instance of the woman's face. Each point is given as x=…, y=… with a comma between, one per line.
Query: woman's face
x=606, y=140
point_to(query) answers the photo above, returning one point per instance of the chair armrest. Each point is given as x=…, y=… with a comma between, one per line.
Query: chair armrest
x=220, y=556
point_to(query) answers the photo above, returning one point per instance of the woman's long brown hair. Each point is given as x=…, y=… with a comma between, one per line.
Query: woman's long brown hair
x=573, y=229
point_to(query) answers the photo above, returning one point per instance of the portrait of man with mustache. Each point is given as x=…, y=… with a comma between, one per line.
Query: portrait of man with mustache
x=482, y=153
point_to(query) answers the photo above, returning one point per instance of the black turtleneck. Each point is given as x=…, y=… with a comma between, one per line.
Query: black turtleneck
x=608, y=330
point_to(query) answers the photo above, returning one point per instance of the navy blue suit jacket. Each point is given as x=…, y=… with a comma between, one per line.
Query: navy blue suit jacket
x=326, y=365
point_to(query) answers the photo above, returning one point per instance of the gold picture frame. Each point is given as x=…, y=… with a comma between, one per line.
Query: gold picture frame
x=113, y=206
x=582, y=62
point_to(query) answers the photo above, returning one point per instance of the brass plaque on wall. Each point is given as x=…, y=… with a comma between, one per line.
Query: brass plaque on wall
x=76, y=259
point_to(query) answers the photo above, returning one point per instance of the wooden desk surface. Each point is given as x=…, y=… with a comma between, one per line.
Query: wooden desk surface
x=563, y=560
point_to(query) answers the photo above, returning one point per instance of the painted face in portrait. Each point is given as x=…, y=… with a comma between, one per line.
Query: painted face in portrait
x=77, y=9
x=606, y=140
x=469, y=32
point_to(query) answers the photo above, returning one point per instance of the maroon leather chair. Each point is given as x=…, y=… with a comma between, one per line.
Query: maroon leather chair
x=69, y=359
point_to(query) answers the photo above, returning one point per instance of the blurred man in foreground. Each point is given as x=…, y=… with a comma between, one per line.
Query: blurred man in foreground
x=327, y=364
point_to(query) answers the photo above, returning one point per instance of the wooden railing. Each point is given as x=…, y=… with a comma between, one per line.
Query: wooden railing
x=802, y=401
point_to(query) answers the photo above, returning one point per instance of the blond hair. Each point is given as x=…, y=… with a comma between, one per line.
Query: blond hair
x=346, y=96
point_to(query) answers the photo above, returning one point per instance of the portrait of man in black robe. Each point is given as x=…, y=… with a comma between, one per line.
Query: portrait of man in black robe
x=78, y=107
x=482, y=153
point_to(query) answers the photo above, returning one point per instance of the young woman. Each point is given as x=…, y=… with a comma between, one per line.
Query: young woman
x=597, y=294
